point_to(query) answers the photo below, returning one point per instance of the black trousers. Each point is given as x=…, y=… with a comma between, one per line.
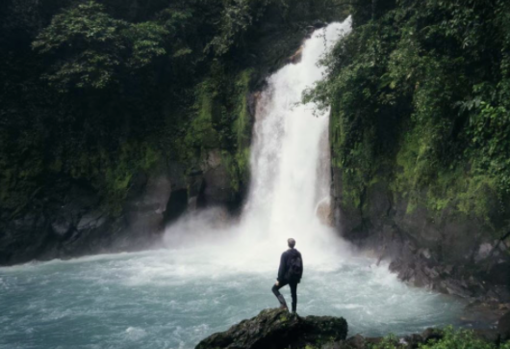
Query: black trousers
x=293, y=292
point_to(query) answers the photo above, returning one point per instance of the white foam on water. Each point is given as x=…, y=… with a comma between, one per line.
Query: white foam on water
x=135, y=333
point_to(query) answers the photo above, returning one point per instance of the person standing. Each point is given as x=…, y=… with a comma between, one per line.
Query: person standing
x=289, y=273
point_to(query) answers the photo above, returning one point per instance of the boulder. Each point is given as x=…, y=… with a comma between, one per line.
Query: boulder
x=412, y=341
x=499, y=273
x=504, y=327
x=278, y=329
x=356, y=342
x=297, y=56
x=215, y=188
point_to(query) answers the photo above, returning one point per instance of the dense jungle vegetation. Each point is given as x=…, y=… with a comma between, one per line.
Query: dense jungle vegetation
x=95, y=90
x=420, y=95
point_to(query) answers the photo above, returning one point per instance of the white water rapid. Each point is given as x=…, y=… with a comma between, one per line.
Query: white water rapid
x=211, y=274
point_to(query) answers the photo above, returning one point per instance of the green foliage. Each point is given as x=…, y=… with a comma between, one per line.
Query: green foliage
x=419, y=95
x=235, y=21
x=242, y=127
x=452, y=339
x=90, y=48
x=462, y=339
x=388, y=342
x=240, y=17
x=97, y=91
x=222, y=121
x=111, y=172
x=146, y=41
x=201, y=135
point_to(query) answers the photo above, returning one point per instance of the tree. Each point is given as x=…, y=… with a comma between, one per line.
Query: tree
x=88, y=48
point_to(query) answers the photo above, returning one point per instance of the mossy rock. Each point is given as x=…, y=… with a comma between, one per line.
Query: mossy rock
x=278, y=329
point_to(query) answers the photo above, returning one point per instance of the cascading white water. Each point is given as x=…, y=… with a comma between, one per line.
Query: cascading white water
x=290, y=157
x=290, y=176
x=211, y=276
x=290, y=189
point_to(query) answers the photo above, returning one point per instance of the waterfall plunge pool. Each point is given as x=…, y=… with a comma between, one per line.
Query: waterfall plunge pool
x=172, y=299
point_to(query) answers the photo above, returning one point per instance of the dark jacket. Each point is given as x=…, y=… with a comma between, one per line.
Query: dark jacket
x=284, y=264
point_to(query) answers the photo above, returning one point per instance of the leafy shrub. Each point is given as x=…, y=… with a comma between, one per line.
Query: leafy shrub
x=452, y=339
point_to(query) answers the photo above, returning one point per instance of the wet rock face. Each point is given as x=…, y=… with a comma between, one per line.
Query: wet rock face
x=210, y=184
x=450, y=253
x=504, y=327
x=145, y=208
x=278, y=329
x=70, y=221
x=215, y=187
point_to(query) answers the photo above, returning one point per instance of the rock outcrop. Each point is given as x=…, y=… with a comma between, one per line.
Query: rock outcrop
x=504, y=327
x=69, y=221
x=412, y=341
x=278, y=329
x=451, y=254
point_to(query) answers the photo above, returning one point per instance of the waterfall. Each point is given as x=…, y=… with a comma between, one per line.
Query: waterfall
x=290, y=190
x=290, y=171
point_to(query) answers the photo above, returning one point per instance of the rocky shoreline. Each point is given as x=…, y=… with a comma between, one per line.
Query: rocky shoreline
x=278, y=329
x=453, y=254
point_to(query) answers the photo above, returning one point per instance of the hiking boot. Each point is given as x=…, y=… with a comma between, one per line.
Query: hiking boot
x=283, y=304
